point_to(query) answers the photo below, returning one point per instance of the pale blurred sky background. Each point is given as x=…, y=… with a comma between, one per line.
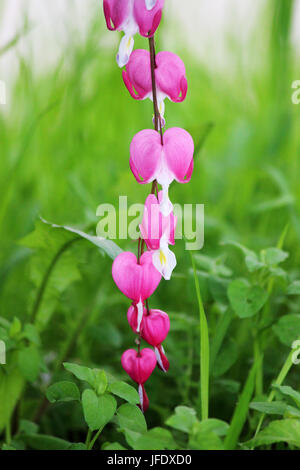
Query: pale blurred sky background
x=208, y=27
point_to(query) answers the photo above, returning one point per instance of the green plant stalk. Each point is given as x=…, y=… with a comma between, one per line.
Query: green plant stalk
x=88, y=438
x=92, y=442
x=204, y=350
x=258, y=358
x=281, y=376
x=240, y=414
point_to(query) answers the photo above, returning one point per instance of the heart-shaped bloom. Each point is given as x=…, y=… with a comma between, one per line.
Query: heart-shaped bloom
x=139, y=366
x=169, y=75
x=154, y=329
x=136, y=280
x=173, y=160
x=158, y=232
x=132, y=16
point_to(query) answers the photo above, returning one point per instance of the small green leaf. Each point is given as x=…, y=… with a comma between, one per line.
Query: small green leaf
x=289, y=392
x=125, y=391
x=81, y=372
x=226, y=358
x=273, y=256
x=100, y=381
x=31, y=333
x=63, y=391
x=294, y=288
x=202, y=438
x=28, y=427
x=287, y=329
x=78, y=446
x=155, y=439
x=29, y=362
x=98, y=411
x=246, y=300
x=112, y=446
x=274, y=408
x=286, y=430
x=15, y=327
x=44, y=442
x=183, y=419
x=131, y=418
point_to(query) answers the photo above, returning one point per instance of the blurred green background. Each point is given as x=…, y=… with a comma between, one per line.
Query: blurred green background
x=64, y=146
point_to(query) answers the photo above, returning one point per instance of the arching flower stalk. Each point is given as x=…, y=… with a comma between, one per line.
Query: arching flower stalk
x=159, y=158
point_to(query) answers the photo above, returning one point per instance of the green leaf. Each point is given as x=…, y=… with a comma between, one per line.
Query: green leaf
x=286, y=430
x=31, y=333
x=77, y=446
x=294, y=288
x=183, y=419
x=288, y=392
x=274, y=408
x=15, y=327
x=29, y=361
x=155, y=439
x=131, y=418
x=220, y=428
x=44, y=442
x=274, y=256
x=202, y=438
x=98, y=411
x=112, y=446
x=251, y=259
x=11, y=386
x=52, y=269
x=106, y=246
x=100, y=381
x=240, y=414
x=287, y=329
x=63, y=391
x=82, y=373
x=28, y=427
x=246, y=300
x=125, y=391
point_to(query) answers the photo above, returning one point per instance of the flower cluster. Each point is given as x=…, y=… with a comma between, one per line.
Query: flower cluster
x=158, y=157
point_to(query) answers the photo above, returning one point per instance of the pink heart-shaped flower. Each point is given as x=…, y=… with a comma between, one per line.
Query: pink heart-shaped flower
x=136, y=280
x=155, y=325
x=139, y=367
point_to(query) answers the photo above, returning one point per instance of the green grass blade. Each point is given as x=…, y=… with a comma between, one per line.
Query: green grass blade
x=241, y=411
x=221, y=330
x=204, y=350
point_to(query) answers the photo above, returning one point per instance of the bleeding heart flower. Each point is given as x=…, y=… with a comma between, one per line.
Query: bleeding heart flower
x=154, y=329
x=139, y=366
x=169, y=76
x=132, y=16
x=136, y=280
x=158, y=232
x=151, y=160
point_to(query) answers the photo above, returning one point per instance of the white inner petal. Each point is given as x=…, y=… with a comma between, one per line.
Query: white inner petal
x=164, y=260
x=141, y=397
x=150, y=4
x=158, y=358
x=125, y=50
x=140, y=308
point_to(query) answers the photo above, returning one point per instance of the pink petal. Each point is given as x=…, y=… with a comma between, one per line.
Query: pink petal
x=170, y=76
x=162, y=360
x=156, y=326
x=137, y=76
x=145, y=154
x=136, y=281
x=144, y=400
x=179, y=151
x=139, y=367
x=148, y=21
x=115, y=12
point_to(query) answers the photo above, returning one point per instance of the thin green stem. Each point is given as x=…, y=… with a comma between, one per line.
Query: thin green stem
x=92, y=443
x=88, y=438
x=204, y=350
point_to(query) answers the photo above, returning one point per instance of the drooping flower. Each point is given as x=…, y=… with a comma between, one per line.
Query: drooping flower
x=139, y=366
x=132, y=16
x=158, y=231
x=173, y=160
x=154, y=329
x=136, y=280
x=170, y=77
